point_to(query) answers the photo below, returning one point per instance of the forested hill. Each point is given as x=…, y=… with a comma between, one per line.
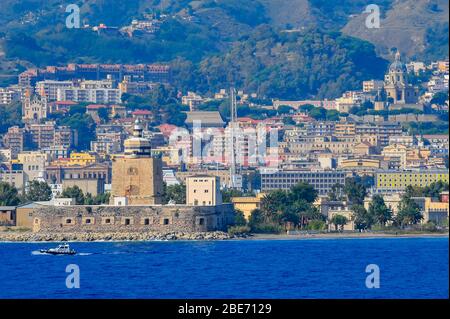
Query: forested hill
x=259, y=45
x=289, y=65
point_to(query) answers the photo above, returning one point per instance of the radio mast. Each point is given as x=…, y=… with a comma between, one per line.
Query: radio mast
x=235, y=178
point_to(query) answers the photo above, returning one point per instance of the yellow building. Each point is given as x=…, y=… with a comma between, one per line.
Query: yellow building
x=247, y=204
x=136, y=176
x=360, y=165
x=399, y=180
x=77, y=159
x=203, y=190
x=435, y=211
x=82, y=158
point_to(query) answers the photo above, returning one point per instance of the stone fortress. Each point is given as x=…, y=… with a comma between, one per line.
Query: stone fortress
x=136, y=197
x=107, y=219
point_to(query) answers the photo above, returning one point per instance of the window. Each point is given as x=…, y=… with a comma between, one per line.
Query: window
x=107, y=221
x=68, y=221
x=166, y=221
x=132, y=171
x=201, y=221
x=147, y=221
x=87, y=221
x=127, y=221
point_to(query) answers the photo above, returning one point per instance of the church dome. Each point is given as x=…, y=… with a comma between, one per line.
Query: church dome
x=397, y=65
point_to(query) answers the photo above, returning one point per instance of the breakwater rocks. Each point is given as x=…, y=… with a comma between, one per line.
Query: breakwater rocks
x=147, y=236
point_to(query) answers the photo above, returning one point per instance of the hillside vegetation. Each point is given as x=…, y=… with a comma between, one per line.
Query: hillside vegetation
x=284, y=49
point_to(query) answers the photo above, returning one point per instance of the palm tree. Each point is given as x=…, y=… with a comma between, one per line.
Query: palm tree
x=273, y=204
x=409, y=212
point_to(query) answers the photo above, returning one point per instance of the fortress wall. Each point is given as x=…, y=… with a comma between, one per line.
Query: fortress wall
x=128, y=219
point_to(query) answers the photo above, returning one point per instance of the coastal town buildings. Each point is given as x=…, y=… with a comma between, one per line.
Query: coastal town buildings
x=128, y=150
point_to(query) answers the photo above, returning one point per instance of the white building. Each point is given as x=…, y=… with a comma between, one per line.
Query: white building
x=97, y=96
x=49, y=88
x=8, y=95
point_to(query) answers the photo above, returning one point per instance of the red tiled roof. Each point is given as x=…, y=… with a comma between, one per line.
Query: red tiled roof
x=142, y=112
x=65, y=103
x=166, y=129
x=96, y=106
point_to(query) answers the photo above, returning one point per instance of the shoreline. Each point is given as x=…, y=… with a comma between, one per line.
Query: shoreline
x=345, y=236
x=30, y=237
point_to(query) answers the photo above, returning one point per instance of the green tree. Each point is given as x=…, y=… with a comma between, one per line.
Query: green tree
x=408, y=212
x=176, y=193
x=273, y=205
x=84, y=125
x=229, y=193
x=103, y=115
x=306, y=108
x=99, y=199
x=380, y=212
x=318, y=113
x=363, y=220
x=8, y=195
x=316, y=225
x=38, y=191
x=303, y=191
x=10, y=115
x=239, y=218
x=255, y=219
x=435, y=189
x=336, y=192
x=74, y=192
x=289, y=217
x=339, y=221
x=355, y=191
x=439, y=98
x=285, y=109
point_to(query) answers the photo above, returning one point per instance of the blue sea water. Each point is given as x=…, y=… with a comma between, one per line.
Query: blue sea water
x=317, y=268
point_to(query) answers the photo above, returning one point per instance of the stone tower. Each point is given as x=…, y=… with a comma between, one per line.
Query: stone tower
x=136, y=175
x=396, y=85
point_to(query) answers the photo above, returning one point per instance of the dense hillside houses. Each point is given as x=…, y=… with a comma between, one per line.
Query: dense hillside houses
x=130, y=134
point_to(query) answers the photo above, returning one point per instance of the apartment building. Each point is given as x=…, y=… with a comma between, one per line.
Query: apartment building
x=48, y=135
x=398, y=180
x=322, y=181
x=14, y=140
x=49, y=88
x=8, y=96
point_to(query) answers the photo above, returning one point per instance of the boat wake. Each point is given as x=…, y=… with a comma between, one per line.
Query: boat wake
x=37, y=253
